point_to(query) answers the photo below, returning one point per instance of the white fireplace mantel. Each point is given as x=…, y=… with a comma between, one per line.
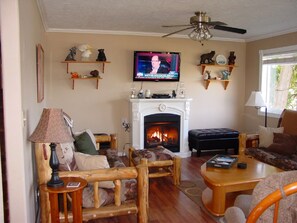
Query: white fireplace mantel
x=143, y=107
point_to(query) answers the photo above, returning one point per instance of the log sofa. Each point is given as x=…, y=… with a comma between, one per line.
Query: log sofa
x=275, y=146
x=126, y=180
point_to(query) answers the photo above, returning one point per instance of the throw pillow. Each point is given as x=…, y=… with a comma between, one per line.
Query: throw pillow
x=283, y=144
x=65, y=153
x=93, y=162
x=90, y=134
x=83, y=143
x=266, y=135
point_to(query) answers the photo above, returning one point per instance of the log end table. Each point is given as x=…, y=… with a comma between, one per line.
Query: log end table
x=75, y=193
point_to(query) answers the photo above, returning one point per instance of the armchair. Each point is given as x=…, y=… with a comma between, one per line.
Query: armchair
x=273, y=200
x=137, y=206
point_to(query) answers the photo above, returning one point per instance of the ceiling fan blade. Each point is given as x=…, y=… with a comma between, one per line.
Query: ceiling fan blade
x=176, y=26
x=169, y=34
x=216, y=23
x=230, y=29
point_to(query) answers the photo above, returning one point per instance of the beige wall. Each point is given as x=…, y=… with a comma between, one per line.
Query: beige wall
x=102, y=110
x=252, y=120
x=21, y=31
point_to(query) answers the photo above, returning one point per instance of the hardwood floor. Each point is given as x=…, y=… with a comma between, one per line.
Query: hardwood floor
x=167, y=203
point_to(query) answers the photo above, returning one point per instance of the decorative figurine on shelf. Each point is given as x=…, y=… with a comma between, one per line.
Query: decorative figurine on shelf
x=86, y=51
x=207, y=58
x=95, y=73
x=231, y=58
x=71, y=55
x=173, y=94
x=101, y=55
x=140, y=94
x=74, y=75
x=225, y=74
x=133, y=94
x=206, y=76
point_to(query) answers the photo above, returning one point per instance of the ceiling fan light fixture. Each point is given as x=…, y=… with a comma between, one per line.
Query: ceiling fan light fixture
x=200, y=33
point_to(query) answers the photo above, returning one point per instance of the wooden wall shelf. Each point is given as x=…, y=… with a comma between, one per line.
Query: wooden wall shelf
x=86, y=78
x=225, y=82
x=86, y=62
x=203, y=66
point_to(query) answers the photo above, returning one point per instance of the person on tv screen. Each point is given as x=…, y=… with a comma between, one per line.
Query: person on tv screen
x=156, y=66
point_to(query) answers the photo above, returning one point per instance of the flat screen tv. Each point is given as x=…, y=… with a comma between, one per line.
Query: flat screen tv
x=156, y=66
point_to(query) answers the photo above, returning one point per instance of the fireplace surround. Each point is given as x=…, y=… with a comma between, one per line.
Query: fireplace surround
x=141, y=109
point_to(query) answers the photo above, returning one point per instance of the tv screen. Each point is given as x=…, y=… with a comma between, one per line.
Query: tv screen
x=156, y=66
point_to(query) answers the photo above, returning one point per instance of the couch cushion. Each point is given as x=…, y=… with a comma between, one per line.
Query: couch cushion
x=152, y=154
x=113, y=159
x=106, y=196
x=283, y=143
x=83, y=143
x=266, y=135
x=284, y=162
x=93, y=162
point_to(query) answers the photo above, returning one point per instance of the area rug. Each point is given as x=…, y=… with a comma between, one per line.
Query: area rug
x=193, y=190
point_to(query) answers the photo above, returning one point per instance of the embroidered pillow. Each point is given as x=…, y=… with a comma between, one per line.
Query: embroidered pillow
x=65, y=153
x=266, y=135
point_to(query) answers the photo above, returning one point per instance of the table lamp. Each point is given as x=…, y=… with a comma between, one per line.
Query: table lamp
x=52, y=129
x=256, y=100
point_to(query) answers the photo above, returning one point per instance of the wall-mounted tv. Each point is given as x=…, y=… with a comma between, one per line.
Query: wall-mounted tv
x=156, y=66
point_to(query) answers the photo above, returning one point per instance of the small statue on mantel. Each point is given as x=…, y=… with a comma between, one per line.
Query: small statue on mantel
x=231, y=58
x=101, y=55
x=71, y=55
x=207, y=58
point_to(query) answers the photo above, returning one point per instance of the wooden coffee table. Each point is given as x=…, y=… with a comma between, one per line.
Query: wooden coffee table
x=220, y=182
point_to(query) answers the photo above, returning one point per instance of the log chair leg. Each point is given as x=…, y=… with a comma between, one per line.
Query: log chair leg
x=143, y=191
x=176, y=170
x=131, y=150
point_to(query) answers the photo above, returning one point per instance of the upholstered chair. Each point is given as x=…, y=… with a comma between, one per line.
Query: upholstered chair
x=247, y=206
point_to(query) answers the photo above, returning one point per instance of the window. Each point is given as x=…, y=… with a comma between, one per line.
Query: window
x=278, y=78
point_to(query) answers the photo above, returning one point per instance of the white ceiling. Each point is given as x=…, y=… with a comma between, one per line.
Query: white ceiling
x=261, y=18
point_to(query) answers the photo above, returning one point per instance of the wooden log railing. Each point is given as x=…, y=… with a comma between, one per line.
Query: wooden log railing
x=170, y=167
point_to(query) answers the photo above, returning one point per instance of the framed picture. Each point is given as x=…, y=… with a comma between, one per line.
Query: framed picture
x=40, y=73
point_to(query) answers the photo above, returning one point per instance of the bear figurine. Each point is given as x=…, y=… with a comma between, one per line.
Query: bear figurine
x=101, y=55
x=231, y=58
x=207, y=58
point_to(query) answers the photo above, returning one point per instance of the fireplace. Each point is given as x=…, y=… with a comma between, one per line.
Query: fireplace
x=162, y=130
x=178, y=112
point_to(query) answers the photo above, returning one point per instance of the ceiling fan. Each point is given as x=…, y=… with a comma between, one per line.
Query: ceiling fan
x=201, y=23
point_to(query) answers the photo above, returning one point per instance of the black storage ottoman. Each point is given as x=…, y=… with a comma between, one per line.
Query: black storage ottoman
x=213, y=139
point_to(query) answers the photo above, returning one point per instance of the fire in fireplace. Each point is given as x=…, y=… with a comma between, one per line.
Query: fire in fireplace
x=162, y=129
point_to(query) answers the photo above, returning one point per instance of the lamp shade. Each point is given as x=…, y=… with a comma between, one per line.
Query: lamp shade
x=256, y=100
x=51, y=128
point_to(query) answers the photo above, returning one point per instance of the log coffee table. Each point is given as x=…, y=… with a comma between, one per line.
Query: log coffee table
x=222, y=181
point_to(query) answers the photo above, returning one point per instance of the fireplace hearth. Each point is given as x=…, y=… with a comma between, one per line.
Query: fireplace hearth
x=162, y=130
